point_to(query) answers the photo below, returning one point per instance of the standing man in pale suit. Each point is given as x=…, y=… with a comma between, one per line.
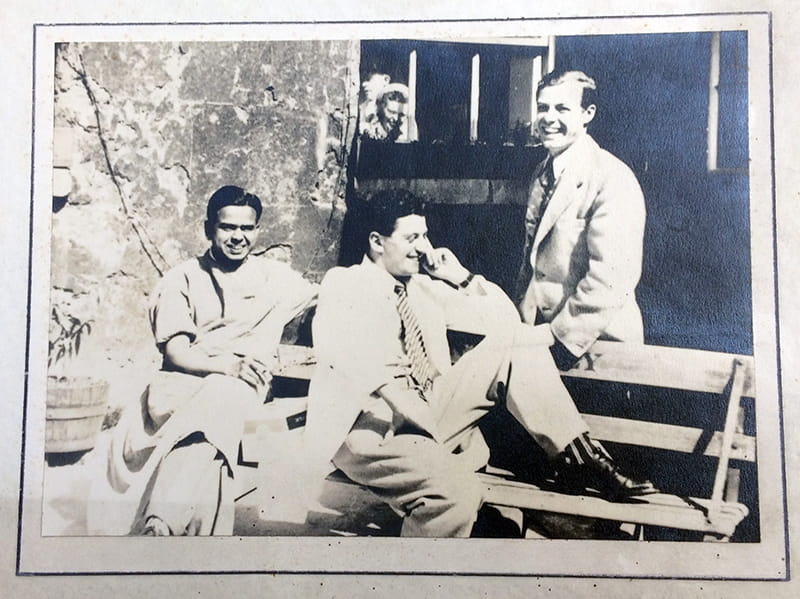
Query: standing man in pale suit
x=585, y=228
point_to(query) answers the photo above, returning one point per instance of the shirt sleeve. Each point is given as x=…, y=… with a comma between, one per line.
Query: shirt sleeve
x=479, y=308
x=295, y=292
x=171, y=311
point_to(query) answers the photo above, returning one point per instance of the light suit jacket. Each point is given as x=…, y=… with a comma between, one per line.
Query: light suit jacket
x=586, y=250
x=356, y=333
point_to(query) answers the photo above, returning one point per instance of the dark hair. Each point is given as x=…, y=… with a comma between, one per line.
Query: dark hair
x=392, y=96
x=230, y=195
x=590, y=95
x=385, y=207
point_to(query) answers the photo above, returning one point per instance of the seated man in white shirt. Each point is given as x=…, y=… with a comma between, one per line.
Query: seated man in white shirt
x=217, y=320
x=387, y=407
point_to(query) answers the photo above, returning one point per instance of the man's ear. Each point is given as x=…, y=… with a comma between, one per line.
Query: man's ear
x=375, y=242
x=208, y=227
x=588, y=114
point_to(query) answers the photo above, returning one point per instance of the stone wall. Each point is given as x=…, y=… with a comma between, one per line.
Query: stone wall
x=147, y=131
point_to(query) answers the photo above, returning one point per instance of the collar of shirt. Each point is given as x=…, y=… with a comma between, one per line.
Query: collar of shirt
x=383, y=280
x=570, y=156
x=212, y=259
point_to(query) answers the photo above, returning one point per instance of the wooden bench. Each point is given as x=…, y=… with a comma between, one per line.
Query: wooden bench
x=728, y=377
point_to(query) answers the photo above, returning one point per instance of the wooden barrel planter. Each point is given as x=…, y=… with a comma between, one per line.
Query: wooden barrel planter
x=76, y=407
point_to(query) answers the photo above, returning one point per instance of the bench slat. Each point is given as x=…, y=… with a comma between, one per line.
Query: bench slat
x=655, y=510
x=667, y=436
x=656, y=366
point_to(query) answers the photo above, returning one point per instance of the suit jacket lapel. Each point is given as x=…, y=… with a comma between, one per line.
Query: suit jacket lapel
x=535, y=199
x=565, y=192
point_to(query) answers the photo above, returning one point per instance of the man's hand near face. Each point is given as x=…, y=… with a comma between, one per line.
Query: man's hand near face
x=441, y=263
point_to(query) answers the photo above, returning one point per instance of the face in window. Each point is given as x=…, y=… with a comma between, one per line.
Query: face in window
x=399, y=253
x=391, y=114
x=233, y=234
x=560, y=118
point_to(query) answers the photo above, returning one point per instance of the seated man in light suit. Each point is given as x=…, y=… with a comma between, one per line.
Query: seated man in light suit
x=585, y=228
x=387, y=407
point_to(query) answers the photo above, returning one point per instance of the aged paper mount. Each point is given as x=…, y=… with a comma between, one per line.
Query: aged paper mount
x=764, y=560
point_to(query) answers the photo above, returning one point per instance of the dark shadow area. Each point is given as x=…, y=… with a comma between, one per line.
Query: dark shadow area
x=66, y=458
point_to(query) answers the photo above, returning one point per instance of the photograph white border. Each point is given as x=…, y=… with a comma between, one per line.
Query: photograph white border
x=529, y=558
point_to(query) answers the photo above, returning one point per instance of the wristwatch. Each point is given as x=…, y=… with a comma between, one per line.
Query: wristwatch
x=467, y=281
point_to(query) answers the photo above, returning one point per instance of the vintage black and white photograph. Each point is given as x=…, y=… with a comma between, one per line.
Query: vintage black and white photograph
x=508, y=286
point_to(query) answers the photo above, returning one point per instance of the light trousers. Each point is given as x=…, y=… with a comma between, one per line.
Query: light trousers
x=433, y=483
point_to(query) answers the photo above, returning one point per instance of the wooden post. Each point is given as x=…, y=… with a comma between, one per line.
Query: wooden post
x=712, y=131
x=411, y=109
x=474, y=98
x=731, y=421
x=551, y=54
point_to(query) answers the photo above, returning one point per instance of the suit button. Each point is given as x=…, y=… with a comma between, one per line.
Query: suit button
x=539, y=275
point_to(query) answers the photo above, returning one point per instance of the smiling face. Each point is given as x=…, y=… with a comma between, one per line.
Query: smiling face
x=399, y=253
x=233, y=234
x=560, y=118
x=391, y=114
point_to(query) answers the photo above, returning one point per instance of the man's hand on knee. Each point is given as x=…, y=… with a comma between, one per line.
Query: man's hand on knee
x=250, y=370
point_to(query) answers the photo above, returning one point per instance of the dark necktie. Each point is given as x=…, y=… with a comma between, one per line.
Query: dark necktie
x=547, y=181
x=422, y=371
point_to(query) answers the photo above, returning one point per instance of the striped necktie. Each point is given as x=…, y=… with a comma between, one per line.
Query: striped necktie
x=548, y=182
x=422, y=371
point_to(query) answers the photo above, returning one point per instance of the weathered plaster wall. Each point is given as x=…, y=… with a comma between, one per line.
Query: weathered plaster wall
x=152, y=129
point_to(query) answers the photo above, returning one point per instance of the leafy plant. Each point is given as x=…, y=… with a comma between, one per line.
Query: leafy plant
x=66, y=332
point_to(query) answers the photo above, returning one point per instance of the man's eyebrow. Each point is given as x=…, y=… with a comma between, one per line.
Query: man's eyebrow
x=235, y=226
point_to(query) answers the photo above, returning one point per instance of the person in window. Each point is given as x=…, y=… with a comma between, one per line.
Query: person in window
x=387, y=406
x=585, y=228
x=217, y=320
x=384, y=114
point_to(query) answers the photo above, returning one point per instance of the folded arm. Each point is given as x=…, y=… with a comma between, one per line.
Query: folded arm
x=181, y=355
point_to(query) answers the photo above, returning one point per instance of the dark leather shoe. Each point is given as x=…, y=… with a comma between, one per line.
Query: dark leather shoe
x=602, y=474
x=156, y=527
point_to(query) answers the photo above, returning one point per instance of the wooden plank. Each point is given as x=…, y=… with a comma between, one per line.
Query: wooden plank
x=667, y=436
x=540, y=41
x=604, y=428
x=454, y=191
x=663, y=510
x=672, y=367
x=295, y=362
x=656, y=366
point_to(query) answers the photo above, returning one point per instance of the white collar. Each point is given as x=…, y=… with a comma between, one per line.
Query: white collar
x=381, y=276
x=570, y=156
